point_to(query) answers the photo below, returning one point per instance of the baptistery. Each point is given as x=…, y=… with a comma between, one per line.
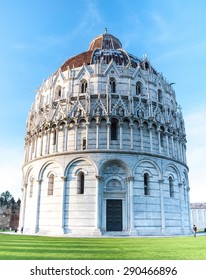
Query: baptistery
x=105, y=149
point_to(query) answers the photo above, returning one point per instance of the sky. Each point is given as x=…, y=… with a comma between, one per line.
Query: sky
x=36, y=37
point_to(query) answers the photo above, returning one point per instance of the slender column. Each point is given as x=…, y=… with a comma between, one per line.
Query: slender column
x=180, y=149
x=87, y=135
x=181, y=198
x=150, y=137
x=36, y=146
x=26, y=152
x=131, y=136
x=38, y=205
x=141, y=138
x=188, y=206
x=41, y=147
x=97, y=135
x=46, y=144
x=159, y=141
x=99, y=198
x=131, y=204
x=184, y=152
x=23, y=206
x=120, y=136
x=162, y=204
x=75, y=136
x=167, y=143
x=65, y=137
x=57, y=140
x=108, y=135
x=64, y=179
x=30, y=149
x=48, y=140
x=173, y=149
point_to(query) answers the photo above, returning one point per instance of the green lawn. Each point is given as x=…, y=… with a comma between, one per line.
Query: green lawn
x=21, y=247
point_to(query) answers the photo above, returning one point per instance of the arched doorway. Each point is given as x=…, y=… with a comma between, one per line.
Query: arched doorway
x=114, y=197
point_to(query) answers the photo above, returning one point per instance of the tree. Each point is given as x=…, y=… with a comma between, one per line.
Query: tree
x=6, y=198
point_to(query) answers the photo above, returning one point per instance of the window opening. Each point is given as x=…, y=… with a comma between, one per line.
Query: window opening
x=146, y=184
x=171, y=187
x=138, y=88
x=159, y=94
x=84, y=142
x=80, y=183
x=114, y=130
x=113, y=85
x=84, y=87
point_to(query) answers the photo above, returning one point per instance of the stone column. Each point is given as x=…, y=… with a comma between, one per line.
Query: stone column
x=161, y=184
x=97, y=135
x=167, y=143
x=48, y=140
x=65, y=137
x=131, y=125
x=64, y=180
x=87, y=135
x=23, y=206
x=159, y=141
x=36, y=146
x=38, y=205
x=57, y=140
x=141, y=137
x=99, y=182
x=173, y=149
x=42, y=140
x=130, y=211
x=150, y=137
x=75, y=135
x=120, y=135
x=181, y=198
x=108, y=135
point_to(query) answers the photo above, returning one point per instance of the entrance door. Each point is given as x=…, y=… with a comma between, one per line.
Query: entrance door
x=114, y=215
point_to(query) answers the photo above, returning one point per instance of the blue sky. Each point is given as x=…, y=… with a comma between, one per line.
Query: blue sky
x=38, y=36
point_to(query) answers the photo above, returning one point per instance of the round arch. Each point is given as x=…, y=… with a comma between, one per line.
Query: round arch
x=152, y=163
x=175, y=169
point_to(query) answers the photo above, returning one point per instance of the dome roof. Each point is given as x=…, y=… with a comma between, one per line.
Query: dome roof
x=102, y=49
x=105, y=41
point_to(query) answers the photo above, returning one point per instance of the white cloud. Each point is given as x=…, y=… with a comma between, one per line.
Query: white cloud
x=196, y=153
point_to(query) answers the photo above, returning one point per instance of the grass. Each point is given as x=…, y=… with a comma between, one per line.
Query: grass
x=24, y=247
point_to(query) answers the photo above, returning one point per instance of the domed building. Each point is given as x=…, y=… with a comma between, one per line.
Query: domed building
x=105, y=149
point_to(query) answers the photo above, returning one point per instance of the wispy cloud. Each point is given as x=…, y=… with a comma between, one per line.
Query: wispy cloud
x=161, y=29
x=84, y=24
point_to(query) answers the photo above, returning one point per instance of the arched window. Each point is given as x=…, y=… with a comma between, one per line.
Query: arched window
x=159, y=95
x=31, y=187
x=171, y=187
x=113, y=85
x=114, y=130
x=83, y=86
x=84, y=143
x=54, y=136
x=138, y=88
x=146, y=184
x=51, y=184
x=58, y=92
x=80, y=183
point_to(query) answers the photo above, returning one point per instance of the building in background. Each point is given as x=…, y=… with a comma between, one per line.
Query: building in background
x=9, y=216
x=198, y=215
x=105, y=149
